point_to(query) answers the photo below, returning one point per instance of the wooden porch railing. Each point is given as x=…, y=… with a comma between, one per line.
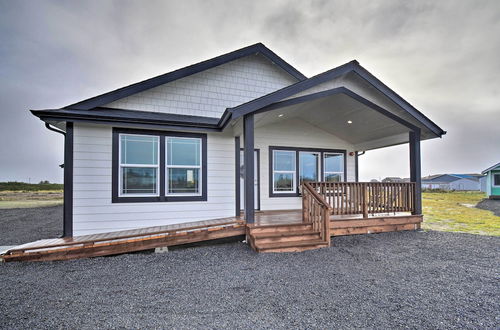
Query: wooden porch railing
x=316, y=210
x=366, y=197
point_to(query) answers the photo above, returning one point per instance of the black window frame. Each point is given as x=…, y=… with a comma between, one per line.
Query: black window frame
x=116, y=198
x=321, y=151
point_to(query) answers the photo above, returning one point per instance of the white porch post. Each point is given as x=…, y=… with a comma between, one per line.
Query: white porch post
x=248, y=155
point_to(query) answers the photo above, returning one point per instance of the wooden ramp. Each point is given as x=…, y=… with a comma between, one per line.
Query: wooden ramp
x=125, y=241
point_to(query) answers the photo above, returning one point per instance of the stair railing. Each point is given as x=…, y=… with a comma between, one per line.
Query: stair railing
x=316, y=210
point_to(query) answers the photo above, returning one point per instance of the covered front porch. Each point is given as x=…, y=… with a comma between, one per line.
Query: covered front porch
x=320, y=140
x=320, y=123
x=335, y=209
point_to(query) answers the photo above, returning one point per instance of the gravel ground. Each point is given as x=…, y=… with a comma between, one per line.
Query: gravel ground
x=19, y=226
x=490, y=205
x=393, y=280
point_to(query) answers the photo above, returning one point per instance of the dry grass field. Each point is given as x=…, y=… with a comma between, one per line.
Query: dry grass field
x=456, y=212
x=24, y=199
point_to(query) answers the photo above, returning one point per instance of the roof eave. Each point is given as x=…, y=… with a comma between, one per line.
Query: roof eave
x=51, y=115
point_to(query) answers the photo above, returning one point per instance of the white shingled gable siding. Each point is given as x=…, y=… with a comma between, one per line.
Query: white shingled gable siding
x=293, y=133
x=210, y=92
x=93, y=211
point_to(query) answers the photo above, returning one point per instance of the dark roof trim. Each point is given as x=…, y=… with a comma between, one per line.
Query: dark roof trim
x=490, y=168
x=384, y=89
x=339, y=90
x=137, y=118
x=352, y=66
x=258, y=48
x=285, y=92
x=130, y=118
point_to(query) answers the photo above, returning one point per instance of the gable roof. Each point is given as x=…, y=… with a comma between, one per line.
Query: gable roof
x=446, y=178
x=468, y=176
x=443, y=178
x=490, y=168
x=114, y=95
x=101, y=109
x=352, y=66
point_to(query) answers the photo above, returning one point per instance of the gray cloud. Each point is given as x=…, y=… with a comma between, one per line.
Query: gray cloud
x=442, y=56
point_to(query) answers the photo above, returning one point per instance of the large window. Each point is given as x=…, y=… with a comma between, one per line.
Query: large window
x=308, y=166
x=183, y=166
x=284, y=171
x=154, y=166
x=333, y=167
x=291, y=166
x=139, y=165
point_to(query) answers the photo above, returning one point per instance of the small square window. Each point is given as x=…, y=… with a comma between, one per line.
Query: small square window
x=496, y=179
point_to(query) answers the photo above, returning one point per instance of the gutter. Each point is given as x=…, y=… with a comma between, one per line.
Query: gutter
x=54, y=129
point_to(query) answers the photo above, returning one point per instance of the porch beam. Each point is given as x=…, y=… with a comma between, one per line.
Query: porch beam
x=68, y=182
x=237, y=148
x=415, y=169
x=248, y=155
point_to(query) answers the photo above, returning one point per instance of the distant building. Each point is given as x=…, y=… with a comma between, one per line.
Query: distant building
x=393, y=179
x=491, y=181
x=452, y=182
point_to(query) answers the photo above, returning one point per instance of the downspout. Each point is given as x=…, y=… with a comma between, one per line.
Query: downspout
x=68, y=177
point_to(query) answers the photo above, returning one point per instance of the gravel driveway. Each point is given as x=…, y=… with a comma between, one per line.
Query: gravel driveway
x=492, y=205
x=19, y=226
x=393, y=280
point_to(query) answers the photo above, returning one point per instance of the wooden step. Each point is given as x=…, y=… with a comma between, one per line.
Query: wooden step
x=291, y=246
x=279, y=228
x=302, y=235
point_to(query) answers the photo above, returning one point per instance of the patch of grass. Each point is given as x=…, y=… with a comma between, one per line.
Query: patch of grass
x=24, y=199
x=28, y=204
x=454, y=211
x=23, y=186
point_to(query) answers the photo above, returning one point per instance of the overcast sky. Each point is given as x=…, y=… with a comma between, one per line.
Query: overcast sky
x=441, y=56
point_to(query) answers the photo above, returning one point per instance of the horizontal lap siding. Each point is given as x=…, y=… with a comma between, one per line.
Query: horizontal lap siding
x=93, y=211
x=293, y=133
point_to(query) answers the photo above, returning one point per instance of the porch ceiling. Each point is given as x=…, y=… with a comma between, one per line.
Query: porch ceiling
x=369, y=128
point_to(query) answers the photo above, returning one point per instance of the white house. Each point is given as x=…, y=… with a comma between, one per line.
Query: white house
x=171, y=149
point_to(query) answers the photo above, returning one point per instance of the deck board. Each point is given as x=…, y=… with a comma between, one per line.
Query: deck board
x=123, y=234
x=150, y=237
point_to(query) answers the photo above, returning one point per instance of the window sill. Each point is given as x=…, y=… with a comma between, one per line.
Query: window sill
x=295, y=194
x=159, y=199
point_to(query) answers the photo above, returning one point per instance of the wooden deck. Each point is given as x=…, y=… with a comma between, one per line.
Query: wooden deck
x=270, y=228
x=125, y=241
x=290, y=234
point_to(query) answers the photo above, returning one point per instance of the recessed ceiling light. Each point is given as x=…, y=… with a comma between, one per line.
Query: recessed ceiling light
x=349, y=122
x=280, y=115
